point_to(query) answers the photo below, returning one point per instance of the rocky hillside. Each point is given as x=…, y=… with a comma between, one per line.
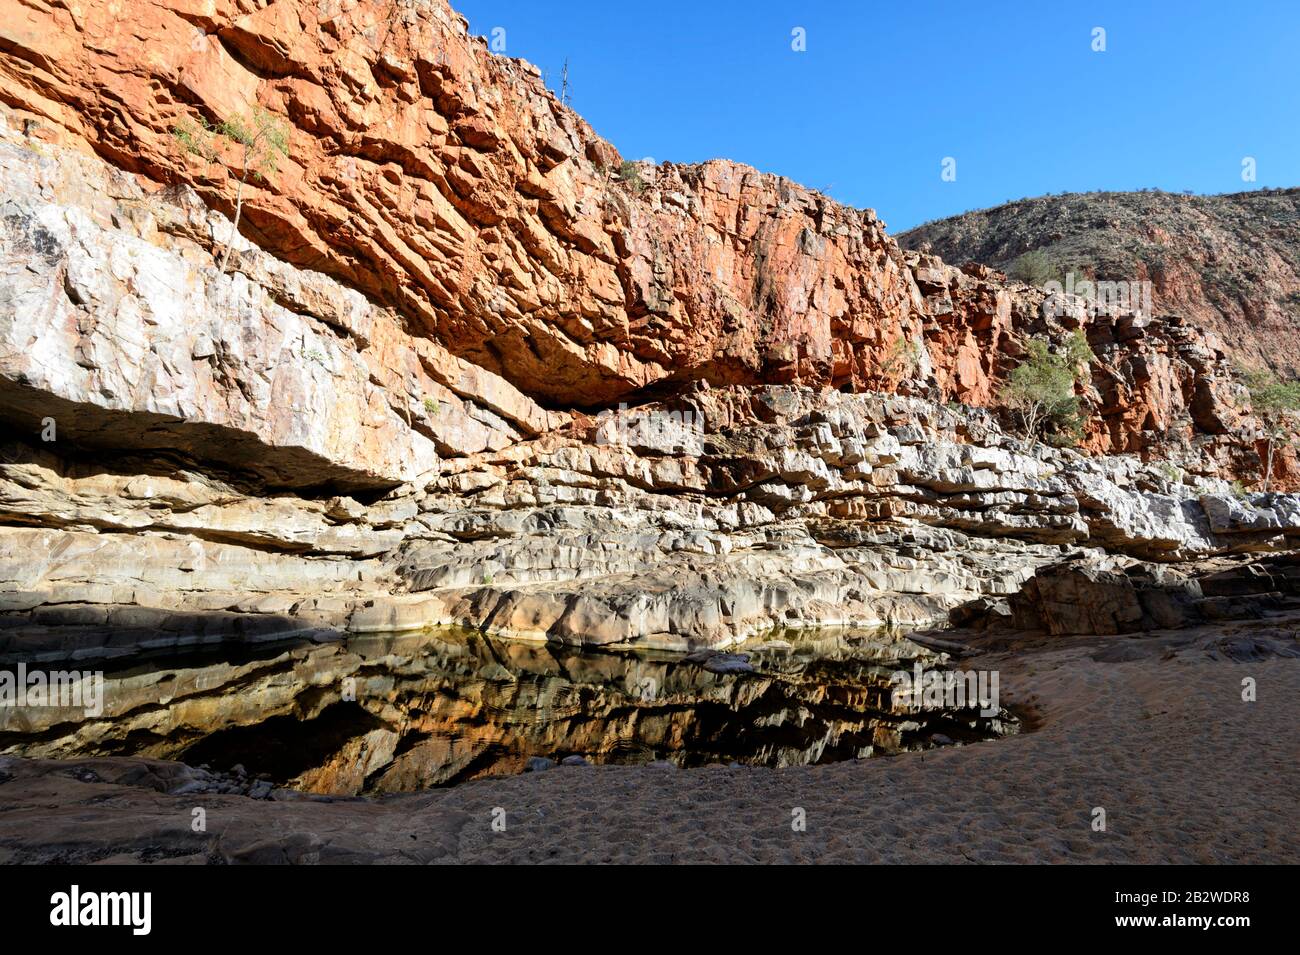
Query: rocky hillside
x=466, y=365
x=1229, y=264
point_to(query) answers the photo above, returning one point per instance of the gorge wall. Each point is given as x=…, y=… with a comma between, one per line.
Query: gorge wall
x=466, y=367
x=1229, y=264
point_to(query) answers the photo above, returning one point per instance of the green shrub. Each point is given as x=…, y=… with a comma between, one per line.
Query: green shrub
x=1170, y=471
x=1036, y=267
x=629, y=175
x=903, y=359
x=1277, y=404
x=264, y=141
x=1042, y=388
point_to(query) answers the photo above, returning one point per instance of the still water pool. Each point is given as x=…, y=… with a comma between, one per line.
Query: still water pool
x=394, y=713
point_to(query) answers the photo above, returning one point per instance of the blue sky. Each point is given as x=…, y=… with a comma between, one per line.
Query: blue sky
x=885, y=91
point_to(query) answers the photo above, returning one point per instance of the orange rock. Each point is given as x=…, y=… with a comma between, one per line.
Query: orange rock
x=450, y=184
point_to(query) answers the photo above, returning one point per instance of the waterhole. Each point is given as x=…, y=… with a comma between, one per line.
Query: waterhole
x=397, y=713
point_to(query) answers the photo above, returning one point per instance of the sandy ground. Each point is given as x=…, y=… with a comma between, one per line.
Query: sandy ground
x=1153, y=730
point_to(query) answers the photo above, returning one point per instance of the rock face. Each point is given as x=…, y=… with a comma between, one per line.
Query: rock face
x=450, y=184
x=702, y=522
x=1101, y=597
x=1160, y=388
x=1228, y=264
x=466, y=368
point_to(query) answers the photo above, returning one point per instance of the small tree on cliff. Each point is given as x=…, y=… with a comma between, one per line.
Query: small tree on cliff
x=1042, y=387
x=1033, y=267
x=1038, y=267
x=903, y=359
x=264, y=141
x=630, y=176
x=1277, y=404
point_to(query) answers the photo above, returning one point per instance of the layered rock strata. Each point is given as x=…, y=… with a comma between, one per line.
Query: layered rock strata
x=450, y=185
x=1111, y=597
x=466, y=368
x=725, y=515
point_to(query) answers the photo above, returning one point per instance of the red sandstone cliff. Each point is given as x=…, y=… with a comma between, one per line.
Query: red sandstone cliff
x=449, y=184
x=1229, y=264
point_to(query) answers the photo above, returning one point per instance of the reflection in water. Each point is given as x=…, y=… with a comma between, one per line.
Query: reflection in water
x=399, y=713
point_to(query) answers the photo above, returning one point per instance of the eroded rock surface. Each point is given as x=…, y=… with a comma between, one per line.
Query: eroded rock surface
x=451, y=186
x=1111, y=597
x=728, y=514
x=466, y=368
